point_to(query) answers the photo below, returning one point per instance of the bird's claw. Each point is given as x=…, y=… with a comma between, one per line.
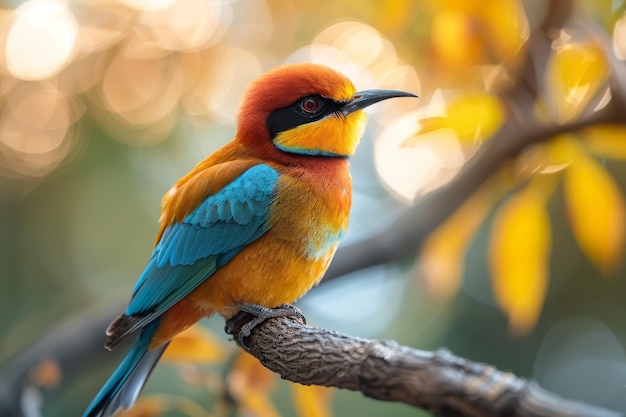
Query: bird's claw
x=263, y=313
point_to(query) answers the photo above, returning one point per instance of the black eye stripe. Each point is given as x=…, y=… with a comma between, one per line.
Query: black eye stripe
x=297, y=114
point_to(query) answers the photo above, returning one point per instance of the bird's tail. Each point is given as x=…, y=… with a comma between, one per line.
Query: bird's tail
x=124, y=385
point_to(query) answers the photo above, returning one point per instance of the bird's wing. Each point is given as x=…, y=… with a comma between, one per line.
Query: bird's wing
x=189, y=251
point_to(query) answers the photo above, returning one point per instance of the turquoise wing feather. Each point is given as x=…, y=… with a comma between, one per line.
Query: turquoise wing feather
x=124, y=385
x=210, y=236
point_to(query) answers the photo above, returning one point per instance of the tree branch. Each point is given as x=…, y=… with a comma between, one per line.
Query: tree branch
x=75, y=344
x=439, y=381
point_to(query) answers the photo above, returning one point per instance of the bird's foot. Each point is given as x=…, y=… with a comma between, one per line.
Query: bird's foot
x=261, y=314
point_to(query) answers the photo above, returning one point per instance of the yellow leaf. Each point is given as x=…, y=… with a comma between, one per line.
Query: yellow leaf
x=596, y=207
x=519, y=255
x=473, y=116
x=248, y=374
x=507, y=25
x=562, y=150
x=471, y=32
x=312, y=401
x=442, y=257
x=146, y=406
x=606, y=141
x=455, y=39
x=575, y=74
x=258, y=404
x=430, y=124
x=547, y=157
x=250, y=383
x=195, y=345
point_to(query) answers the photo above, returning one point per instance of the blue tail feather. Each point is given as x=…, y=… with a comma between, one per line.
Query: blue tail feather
x=124, y=385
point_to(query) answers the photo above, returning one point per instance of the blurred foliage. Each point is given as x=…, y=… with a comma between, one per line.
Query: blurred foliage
x=106, y=102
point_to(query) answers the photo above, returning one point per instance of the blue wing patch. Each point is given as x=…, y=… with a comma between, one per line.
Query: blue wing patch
x=210, y=236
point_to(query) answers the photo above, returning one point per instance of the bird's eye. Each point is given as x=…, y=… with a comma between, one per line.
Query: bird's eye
x=310, y=105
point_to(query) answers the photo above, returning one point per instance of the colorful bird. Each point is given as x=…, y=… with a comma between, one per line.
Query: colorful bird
x=254, y=224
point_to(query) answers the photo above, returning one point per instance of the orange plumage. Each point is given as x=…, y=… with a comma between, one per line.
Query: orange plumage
x=257, y=222
x=312, y=202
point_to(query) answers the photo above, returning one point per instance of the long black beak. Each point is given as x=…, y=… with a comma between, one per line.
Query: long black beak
x=365, y=98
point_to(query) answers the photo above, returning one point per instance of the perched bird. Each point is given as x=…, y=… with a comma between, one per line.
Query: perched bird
x=254, y=224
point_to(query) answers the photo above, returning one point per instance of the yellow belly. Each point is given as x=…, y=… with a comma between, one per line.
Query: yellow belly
x=266, y=273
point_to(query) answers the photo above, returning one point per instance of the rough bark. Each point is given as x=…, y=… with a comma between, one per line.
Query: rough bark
x=440, y=382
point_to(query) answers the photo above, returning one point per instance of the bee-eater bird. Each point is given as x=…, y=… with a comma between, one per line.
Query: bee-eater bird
x=254, y=224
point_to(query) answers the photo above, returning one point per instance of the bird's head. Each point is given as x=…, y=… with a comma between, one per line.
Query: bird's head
x=306, y=109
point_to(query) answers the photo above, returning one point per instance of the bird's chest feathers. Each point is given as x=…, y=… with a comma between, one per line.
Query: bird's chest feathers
x=313, y=213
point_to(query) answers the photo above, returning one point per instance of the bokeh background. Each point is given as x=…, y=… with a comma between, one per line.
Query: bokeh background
x=105, y=103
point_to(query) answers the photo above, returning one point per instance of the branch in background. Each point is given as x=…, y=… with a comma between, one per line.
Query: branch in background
x=439, y=382
x=74, y=344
